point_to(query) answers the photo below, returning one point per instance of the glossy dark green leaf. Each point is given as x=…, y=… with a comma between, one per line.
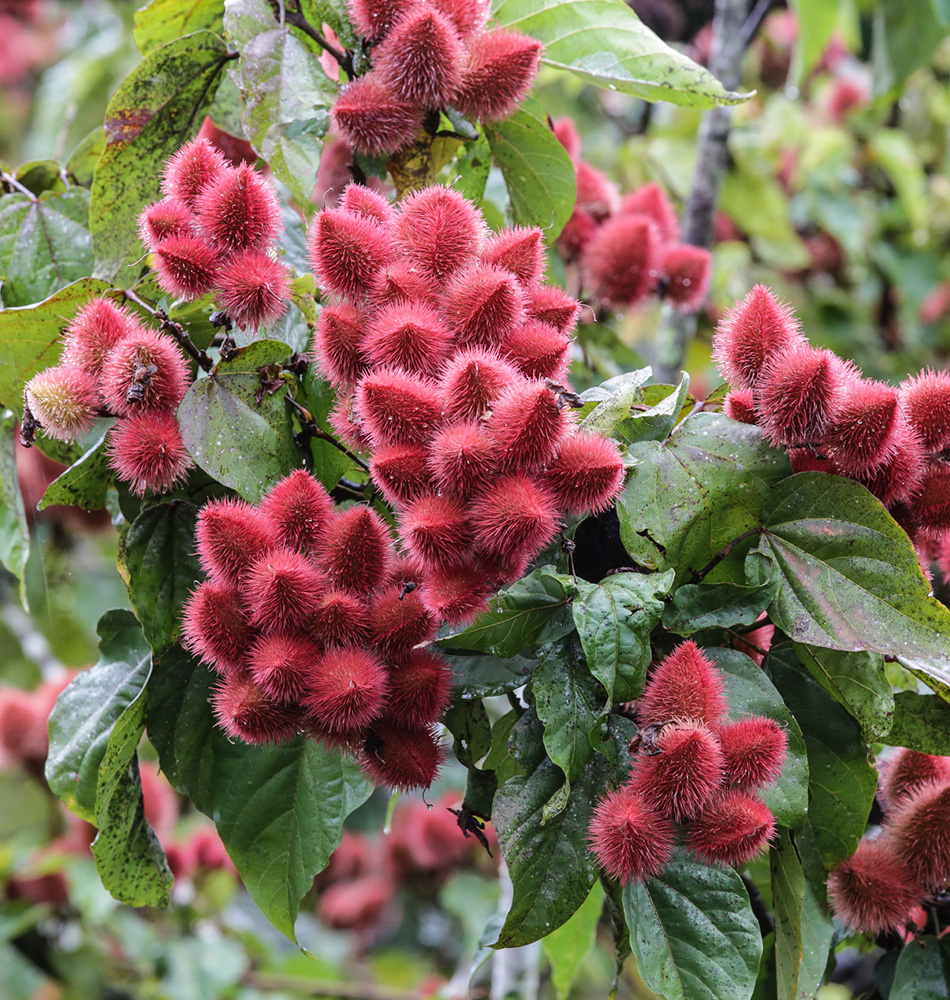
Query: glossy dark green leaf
x=84, y=484
x=693, y=932
x=568, y=946
x=717, y=605
x=605, y=43
x=14, y=531
x=162, y=21
x=614, y=620
x=467, y=721
x=158, y=107
x=613, y=401
x=921, y=722
x=921, y=972
x=483, y=676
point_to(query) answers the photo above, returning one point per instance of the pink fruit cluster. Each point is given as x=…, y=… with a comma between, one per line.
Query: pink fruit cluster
x=694, y=768
x=214, y=231
x=426, y=56
x=448, y=352
x=628, y=248
x=313, y=624
x=894, y=441
x=113, y=365
x=878, y=888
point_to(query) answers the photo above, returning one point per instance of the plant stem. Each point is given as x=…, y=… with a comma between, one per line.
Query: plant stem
x=172, y=328
x=297, y=20
x=309, y=428
x=722, y=553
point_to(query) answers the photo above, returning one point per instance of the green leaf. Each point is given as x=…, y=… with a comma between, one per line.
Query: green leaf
x=471, y=169
x=605, y=43
x=657, y=423
x=82, y=161
x=717, y=605
x=467, y=721
x=285, y=95
x=693, y=932
x=541, y=180
x=14, y=530
x=334, y=13
x=162, y=21
x=614, y=399
x=44, y=244
x=905, y=34
x=82, y=722
x=486, y=675
x=614, y=620
x=568, y=946
x=921, y=722
x=84, y=484
x=157, y=108
x=921, y=972
x=817, y=21
x=279, y=809
x=849, y=577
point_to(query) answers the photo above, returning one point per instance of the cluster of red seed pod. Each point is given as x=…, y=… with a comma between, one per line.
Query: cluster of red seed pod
x=693, y=767
x=313, y=623
x=427, y=55
x=113, y=365
x=894, y=441
x=879, y=887
x=628, y=247
x=214, y=230
x=448, y=355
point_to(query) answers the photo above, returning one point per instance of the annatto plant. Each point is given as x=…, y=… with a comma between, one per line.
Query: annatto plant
x=367, y=523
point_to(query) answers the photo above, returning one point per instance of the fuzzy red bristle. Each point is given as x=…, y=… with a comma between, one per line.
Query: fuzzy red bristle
x=64, y=400
x=751, y=334
x=420, y=689
x=373, y=18
x=298, y=508
x=282, y=665
x=439, y=231
x=369, y=204
x=499, y=69
x=407, y=570
x=402, y=281
x=472, y=380
x=408, y=335
x=347, y=427
x=186, y=266
x=168, y=217
x=253, y=288
x=244, y=712
x=740, y=405
x=239, y=211
x=684, y=685
x=586, y=474
x=234, y=149
x=861, y=434
x=189, y=171
x=900, y=478
x=753, y=752
x=147, y=452
x=873, y=891
x=527, y=426
x=215, y=626
x=373, y=120
x=145, y=371
x=420, y=58
x=456, y=595
x=398, y=408
x=553, y=305
x=401, y=472
x=347, y=691
x=931, y=508
x=596, y=193
x=281, y=588
x=576, y=234
x=436, y=530
x=518, y=250
x=340, y=619
x=467, y=15
x=621, y=262
x=651, y=200
x=732, y=829
x=925, y=400
x=94, y=332
x=919, y=833
x=402, y=757
x=630, y=841
x=461, y=458
x=905, y=771
x=399, y=621
x=356, y=550
x=538, y=350
x=565, y=131
x=339, y=337
x=512, y=517
x=688, y=271
x=230, y=535
x=679, y=780
x=346, y=251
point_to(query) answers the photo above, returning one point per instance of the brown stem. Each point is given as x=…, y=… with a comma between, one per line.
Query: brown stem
x=297, y=20
x=723, y=553
x=172, y=328
x=309, y=429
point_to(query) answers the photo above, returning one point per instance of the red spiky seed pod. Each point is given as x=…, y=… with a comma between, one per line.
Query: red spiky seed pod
x=215, y=626
x=919, y=833
x=408, y=335
x=512, y=517
x=407, y=571
x=401, y=757
x=234, y=150
x=145, y=371
x=398, y=408
x=629, y=839
x=280, y=590
x=282, y=665
x=147, y=452
x=753, y=752
x=298, y=508
x=596, y=194
x=363, y=201
x=472, y=380
x=94, y=332
x=578, y=231
x=860, y=436
x=651, y=200
x=347, y=691
x=420, y=689
x=873, y=891
x=168, y=217
x=439, y=231
x=751, y=334
x=239, y=211
x=245, y=713
x=456, y=595
x=586, y=474
x=253, y=288
x=679, y=780
x=189, y=171
x=553, y=305
x=356, y=550
x=499, y=69
x=688, y=271
x=527, y=426
x=419, y=58
x=931, y=507
x=565, y=131
x=518, y=250
x=401, y=472
x=339, y=619
x=900, y=478
x=925, y=401
x=185, y=266
x=229, y=536
x=732, y=829
x=338, y=339
x=466, y=15
x=740, y=405
x=64, y=400
x=621, y=262
x=905, y=771
x=684, y=685
x=461, y=458
x=346, y=251
x=436, y=530
x=347, y=427
x=401, y=281
x=373, y=18
x=373, y=120
x=538, y=350
x=399, y=620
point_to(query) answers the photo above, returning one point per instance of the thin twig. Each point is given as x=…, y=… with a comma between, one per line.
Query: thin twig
x=754, y=21
x=11, y=181
x=172, y=328
x=723, y=553
x=310, y=429
x=296, y=19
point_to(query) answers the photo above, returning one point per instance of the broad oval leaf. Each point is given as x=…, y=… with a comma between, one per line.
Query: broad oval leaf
x=84, y=484
x=921, y=972
x=568, y=946
x=162, y=21
x=921, y=722
x=613, y=400
x=485, y=675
